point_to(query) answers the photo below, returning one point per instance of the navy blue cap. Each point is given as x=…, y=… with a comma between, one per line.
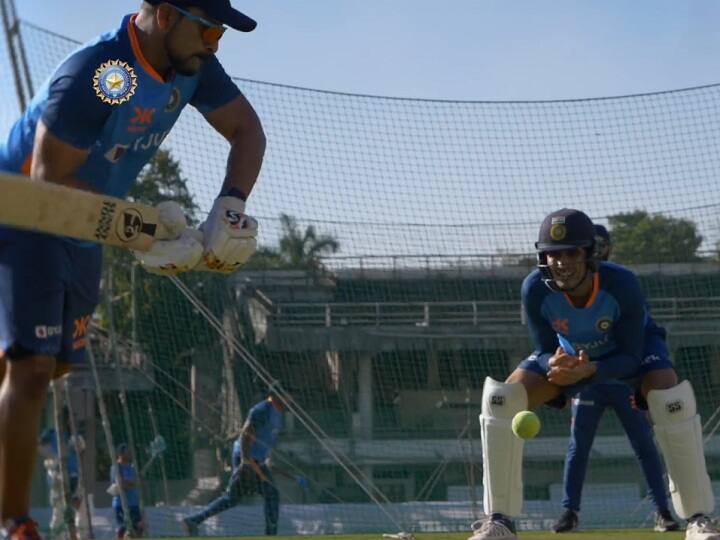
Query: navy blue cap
x=220, y=10
x=565, y=229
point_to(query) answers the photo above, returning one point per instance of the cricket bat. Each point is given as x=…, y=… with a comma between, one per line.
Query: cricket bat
x=65, y=211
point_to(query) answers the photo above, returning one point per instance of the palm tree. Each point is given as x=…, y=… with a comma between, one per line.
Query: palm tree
x=297, y=249
x=304, y=249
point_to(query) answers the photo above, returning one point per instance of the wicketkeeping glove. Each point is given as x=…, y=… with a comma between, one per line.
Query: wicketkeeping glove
x=229, y=236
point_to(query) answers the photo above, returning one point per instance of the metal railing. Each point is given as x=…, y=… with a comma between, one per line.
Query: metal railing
x=407, y=265
x=467, y=313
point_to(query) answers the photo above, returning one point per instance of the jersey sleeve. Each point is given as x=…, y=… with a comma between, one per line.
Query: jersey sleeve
x=629, y=331
x=73, y=112
x=543, y=336
x=258, y=417
x=215, y=88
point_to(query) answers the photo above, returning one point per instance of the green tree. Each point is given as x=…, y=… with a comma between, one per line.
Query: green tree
x=162, y=180
x=265, y=258
x=298, y=249
x=639, y=237
x=303, y=249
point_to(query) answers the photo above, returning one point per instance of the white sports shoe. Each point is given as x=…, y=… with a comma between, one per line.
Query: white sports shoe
x=488, y=529
x=702, y=528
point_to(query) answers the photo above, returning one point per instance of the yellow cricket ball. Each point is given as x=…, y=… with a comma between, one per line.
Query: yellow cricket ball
x=526, y=424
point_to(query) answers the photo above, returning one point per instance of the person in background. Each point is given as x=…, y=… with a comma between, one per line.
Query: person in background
x=124, y=475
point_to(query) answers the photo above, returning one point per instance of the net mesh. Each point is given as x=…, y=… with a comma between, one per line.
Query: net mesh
x=395, y=236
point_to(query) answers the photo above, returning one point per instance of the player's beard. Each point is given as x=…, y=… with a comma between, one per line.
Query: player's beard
x=182, y=63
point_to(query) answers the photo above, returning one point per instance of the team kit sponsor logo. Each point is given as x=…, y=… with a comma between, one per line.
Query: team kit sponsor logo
x=44, y=331
x=115, y=82
x=592, y=345
x=141, y=119
x=80, y=328
x=146, y=142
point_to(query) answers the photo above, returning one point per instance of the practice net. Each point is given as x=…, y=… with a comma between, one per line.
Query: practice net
x=395, y=234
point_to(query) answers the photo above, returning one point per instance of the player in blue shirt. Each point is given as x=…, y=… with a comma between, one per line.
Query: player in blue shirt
x=93, y=125
x=597, y=309
x=128, y=481
x=588, y=407
x=251, y=471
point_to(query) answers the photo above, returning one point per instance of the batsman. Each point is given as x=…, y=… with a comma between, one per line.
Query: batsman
x=94, y=125
x=598, y=308
x=251, y=474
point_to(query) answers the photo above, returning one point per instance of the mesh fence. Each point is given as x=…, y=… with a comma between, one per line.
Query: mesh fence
x=386, y=341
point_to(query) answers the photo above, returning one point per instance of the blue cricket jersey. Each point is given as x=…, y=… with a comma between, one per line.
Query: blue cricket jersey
x=267, y=422
x=611, y=328
x=128, y=473
x=107, y=98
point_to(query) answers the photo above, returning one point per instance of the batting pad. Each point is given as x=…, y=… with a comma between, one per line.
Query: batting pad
x=502, y=450
x=679, y=434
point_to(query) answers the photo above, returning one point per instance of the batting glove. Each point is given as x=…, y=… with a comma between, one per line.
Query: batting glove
x=179, y=248
x=171, y=219
x=171, y=257
x=229, y=236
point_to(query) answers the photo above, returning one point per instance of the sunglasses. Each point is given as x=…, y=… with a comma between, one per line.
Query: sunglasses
x=212, y=32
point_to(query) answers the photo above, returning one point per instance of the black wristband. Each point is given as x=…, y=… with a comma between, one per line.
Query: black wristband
x=234, y=192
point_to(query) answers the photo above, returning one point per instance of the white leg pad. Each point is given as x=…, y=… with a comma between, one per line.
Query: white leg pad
x=502, y=450
x=679, y=434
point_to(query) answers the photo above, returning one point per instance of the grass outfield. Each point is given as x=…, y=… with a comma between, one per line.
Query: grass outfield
x=615, y=534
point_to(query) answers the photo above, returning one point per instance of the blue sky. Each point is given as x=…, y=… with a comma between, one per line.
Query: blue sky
x=454, y=49
x=392, y=177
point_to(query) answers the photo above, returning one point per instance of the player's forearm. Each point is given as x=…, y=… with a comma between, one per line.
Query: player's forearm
x=246, y=156
x=53, y=160
x=246, y=441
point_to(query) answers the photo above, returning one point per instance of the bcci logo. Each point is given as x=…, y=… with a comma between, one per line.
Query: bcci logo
x=130, y=225
x=558, y=231
x=115, y=82
x=603, y=325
